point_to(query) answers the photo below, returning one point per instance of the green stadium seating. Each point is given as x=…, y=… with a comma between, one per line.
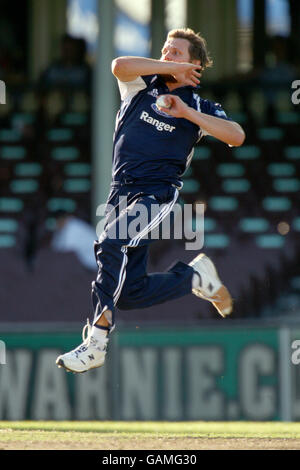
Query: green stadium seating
x=202, y=153
x=65, y=153
x=24, y=186
x=254, y=224
x=13, y=152
x=239, y=117
x=216, y=240
x=190, y=186
x=28, y=169
x=239, y=185
x=247, y=152
x=21, y=119
x=57, y=203
x=60, y=135
x=10, y=135
x=288, y=117
x=74, y=119
x=281, y=169
x=8, y=225
x=286, y=185
x=223, y=203
x=276, y=204
x=11, y=204
x=270, y=241
x=77, y=169
x=296, y=224
x=270, y=133
x=78, y=185
x=7, y=241
x=292, y=153
x=230, y=170
x=209, y=224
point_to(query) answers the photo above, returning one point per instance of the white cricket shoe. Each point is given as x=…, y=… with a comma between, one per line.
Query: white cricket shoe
x=210, y=286
x=88, y=355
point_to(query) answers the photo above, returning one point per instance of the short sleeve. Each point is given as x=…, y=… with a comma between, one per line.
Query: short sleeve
x=129, y=89
x=213, y=109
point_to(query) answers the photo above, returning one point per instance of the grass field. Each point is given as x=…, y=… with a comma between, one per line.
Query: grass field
x=52, y=435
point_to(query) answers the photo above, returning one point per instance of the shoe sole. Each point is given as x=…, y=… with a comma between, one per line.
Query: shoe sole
x=225, y=304
x=60, y=363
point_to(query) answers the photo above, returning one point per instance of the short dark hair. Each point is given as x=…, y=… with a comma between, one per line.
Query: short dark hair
x=198, y=47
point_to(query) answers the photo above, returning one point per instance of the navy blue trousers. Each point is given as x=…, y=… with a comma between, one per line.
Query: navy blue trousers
x=123, y=248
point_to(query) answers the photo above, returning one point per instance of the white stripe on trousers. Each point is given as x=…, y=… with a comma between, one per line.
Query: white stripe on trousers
x=134, y=242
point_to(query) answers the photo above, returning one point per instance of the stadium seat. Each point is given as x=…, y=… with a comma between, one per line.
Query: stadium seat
x=77, y=169
x=66, y=204
x=276, y=204
x=239, y=185
x=11, y=204
x=223, y=203
x=65, y=153
x=19, y=120
x=28, y=169
x=288, y=117
x=10, y=135
x=270, y=133
x=286, y=185
x=210, y=224
x=247, y=152
x=239, y=117
x=254, y=224
x=292, y=153
x=270, y=241
x=74, y=119
x=7, y=240
x=190, y=186
x=8, y=225
x=216, y=240
x=13, y=152
x=281, y=169
x=202, y=153
x=23, y=186
x=296, y=224
x=60, y=135
x=78, y=185
x=230, y=170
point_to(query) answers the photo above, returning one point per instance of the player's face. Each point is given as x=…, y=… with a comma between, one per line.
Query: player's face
x=176, y=50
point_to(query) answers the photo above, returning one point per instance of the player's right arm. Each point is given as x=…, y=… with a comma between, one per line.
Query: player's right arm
x=128, y=68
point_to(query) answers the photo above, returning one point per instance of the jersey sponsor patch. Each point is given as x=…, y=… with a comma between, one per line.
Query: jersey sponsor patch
x=158, y=111
x=160, y=126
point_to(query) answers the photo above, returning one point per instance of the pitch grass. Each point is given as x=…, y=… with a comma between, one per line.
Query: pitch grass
x=148, y=435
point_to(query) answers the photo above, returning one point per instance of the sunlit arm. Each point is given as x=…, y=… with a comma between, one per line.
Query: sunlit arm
x=227, y=131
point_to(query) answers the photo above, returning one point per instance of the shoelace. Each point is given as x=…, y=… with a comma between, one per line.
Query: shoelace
x=86, y=337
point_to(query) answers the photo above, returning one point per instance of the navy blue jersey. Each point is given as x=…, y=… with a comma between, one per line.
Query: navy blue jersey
x=150, y=145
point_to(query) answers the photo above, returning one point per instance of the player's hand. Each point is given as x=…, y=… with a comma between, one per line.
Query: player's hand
x=177, y=107
x=187, y=74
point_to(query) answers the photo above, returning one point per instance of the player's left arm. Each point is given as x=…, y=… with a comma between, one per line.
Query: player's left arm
x=229, y=132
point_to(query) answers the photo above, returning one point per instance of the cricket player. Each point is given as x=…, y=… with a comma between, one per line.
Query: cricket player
x=153, y=146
